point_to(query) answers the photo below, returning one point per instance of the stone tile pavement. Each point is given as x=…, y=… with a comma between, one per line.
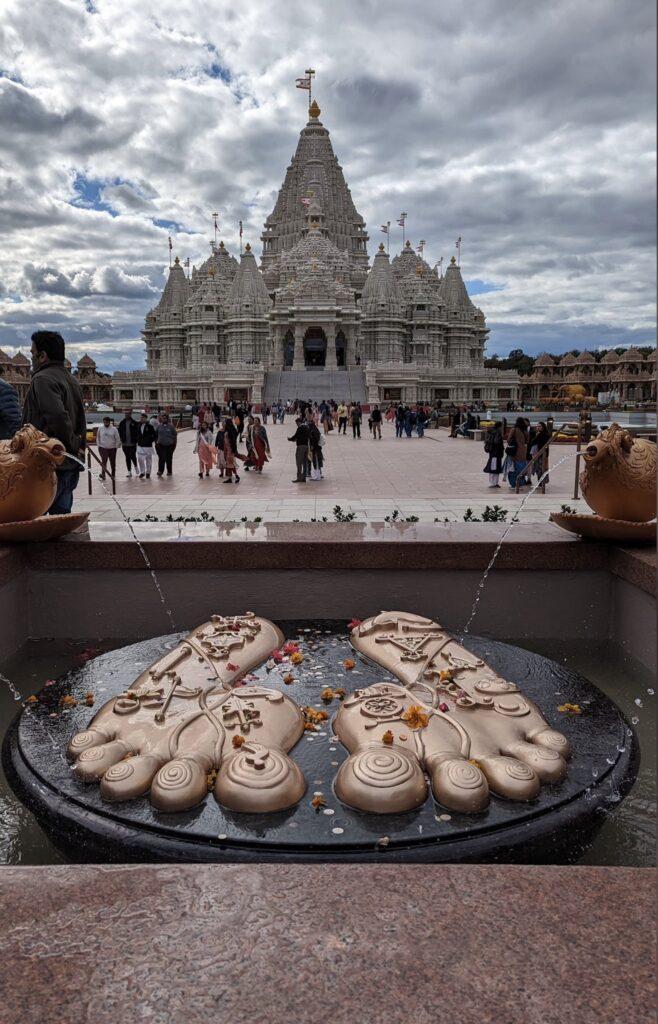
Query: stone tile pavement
x=435, y=477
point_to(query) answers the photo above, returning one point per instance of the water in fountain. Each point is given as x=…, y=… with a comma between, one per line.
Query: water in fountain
x=142, y=551
x=513, y=522
x=14, y=691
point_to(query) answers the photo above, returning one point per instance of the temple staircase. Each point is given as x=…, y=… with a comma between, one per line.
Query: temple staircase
x=315, y=384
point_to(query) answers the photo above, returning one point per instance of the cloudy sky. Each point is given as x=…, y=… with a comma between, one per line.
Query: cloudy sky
x=526, y=128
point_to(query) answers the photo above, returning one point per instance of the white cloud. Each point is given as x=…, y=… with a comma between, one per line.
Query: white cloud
x=526, y=129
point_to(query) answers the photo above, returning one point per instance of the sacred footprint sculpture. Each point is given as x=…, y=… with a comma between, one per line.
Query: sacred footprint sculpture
x=183, y=719
x=451, y=716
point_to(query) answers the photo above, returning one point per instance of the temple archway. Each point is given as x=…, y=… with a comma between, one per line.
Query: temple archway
x=341, y=349
x=289, y=349
x=315, y=347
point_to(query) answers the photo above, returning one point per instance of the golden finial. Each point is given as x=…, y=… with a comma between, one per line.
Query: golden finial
x=452, y=261
x=247, y=247
x=221, y=245
x=381, y=246
x=314, y=110
x=176, y=260
x=407, y=244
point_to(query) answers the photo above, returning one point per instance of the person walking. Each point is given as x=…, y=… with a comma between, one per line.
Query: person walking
x=494, y=446
x=342, y=418
x=300, y=439
x=541, y=437
x=165, y=445
x=400, y=416
x=517, y=452
x=355, y=420
x=204, y=449
x=108, y=441
x=420, y=421
x=128, y=428
x=10, y=410
x=261, y=445
x=376, y=417
x=219, y=446
x=230, y=450
x=54, y=406
x=315, y=442
x=146, y=435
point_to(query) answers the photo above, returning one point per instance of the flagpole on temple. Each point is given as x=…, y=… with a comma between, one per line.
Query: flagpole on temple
x=170, y=248
x=310, y=74
x=459, y=250
x=240, y=223
x=214, y=224
x=401, y=222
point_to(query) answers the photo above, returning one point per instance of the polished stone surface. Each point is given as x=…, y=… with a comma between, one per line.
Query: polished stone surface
x=244, y=944
x=602, y=765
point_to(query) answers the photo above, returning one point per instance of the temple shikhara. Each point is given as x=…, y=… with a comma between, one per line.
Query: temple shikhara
x=315, y=319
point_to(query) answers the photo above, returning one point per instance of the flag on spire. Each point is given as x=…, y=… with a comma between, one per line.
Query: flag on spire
x=402, y=219
x=303, y=83
x=170, y=248
x=458, y=243
x=384, y=228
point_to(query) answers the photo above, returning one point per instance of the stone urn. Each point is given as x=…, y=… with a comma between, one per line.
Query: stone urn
x=619, y=478
x=28, y=482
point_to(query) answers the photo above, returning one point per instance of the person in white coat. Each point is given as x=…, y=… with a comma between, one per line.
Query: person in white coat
x=108, y=442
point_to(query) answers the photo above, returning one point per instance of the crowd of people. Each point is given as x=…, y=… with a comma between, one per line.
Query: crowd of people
x=513, y=452
x=54, y=405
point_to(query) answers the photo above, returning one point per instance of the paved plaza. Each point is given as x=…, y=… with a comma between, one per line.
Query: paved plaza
x=435, y=477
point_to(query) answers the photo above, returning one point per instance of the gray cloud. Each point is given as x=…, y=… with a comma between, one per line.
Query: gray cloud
x=527, y=129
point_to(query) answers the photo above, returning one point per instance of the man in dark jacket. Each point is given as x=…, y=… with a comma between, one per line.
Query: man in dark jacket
x=300, y=438
x=10, y=410
x=128, y=431
x=54, y=406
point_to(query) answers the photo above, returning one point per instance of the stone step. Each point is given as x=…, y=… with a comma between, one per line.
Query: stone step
x=314, y=385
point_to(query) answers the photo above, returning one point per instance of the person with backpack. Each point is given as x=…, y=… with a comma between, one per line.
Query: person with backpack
x=494, y=446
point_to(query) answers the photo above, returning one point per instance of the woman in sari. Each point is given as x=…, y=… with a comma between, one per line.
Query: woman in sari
x=205, y=450
x=230, y=451
x=261, y=445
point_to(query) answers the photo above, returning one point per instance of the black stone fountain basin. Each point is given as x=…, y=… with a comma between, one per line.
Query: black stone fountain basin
x=553, y=828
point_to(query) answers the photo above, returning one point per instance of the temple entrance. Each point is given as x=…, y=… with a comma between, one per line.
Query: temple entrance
x=341, y=349
x=288, y=349
x=315, y=347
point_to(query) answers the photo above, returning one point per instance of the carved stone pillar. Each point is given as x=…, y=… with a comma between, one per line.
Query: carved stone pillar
x=298, y=358
x=330, y=331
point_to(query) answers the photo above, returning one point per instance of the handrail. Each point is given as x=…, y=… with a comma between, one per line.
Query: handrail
x=91, y=454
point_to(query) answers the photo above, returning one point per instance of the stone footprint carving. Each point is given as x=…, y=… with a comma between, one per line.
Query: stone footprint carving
x=450, y=717
x=183, y=719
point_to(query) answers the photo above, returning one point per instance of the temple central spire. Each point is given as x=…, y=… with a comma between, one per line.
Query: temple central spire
x=314, y=172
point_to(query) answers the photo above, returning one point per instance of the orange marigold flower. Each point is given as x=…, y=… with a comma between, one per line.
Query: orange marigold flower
x=89, y=699
x=388, y=737
x=445, y=674
x=318, y=802
x=572, y=709
x=32, y=700
x=237, y=741
x=288, y=678
x=349, y=664
x=340, y=693
x=415, y=717
x=296, y=658
x=327, y=694
x=68, y=702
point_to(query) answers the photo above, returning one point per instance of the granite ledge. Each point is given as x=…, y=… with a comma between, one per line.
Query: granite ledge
x=434, y=945
x=314, y=546
x=635, y=565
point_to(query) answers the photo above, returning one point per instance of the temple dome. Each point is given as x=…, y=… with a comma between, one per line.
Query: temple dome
x=544, y=360
x=631, y=355
x=610, y=357
x=381, y=293
x=454, y=291
x=585, y=357
x=248, y=294
x=568, y=360
x=176, y=290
